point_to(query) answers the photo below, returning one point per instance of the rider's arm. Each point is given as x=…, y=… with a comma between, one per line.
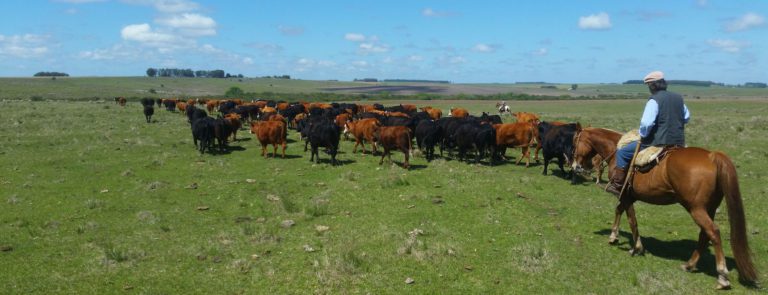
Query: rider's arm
x=649, y=117
x=686, y=114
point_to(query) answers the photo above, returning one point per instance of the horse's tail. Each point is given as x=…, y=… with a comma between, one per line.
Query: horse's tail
x=729, y=184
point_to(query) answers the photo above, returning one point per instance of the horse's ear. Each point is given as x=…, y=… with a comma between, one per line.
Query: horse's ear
x=578, y=126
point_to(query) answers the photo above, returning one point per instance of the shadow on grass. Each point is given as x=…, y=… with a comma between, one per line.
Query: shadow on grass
x=679, y=250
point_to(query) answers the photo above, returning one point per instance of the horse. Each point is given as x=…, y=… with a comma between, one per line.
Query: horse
x=503, y=108
x=693, y=177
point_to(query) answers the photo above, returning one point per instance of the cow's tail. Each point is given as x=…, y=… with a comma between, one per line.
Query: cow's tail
x=728, y=181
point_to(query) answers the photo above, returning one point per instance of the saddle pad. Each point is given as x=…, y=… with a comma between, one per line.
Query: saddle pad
x=632, y=135
x=647, y=155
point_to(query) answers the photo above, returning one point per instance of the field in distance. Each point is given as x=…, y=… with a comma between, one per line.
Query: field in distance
x=82, y=88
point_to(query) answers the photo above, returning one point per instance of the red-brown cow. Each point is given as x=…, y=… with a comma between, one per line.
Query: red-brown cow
x=363, y=130
x=394, y=138
x=459, y=112
x=233, y=120
x=526, y=117
x=269, y=132
x=515, y=135
x=434, y=113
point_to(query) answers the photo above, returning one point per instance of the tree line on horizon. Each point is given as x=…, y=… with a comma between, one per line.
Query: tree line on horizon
x=189, y=73
x=703, y=83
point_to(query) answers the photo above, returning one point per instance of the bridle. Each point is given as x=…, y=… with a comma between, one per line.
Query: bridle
x=576, y=139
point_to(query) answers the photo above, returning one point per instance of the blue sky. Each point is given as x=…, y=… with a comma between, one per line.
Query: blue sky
x=461, y=41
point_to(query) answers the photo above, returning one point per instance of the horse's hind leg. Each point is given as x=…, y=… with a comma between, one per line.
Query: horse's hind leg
x=708, y=227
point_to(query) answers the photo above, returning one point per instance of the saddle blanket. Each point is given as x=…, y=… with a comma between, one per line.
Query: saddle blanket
x=645, y=156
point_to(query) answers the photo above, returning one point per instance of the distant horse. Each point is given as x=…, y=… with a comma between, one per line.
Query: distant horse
x=503, y=108
x=693, y=177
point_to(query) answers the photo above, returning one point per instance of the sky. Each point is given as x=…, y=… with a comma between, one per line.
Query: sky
x=476, y=41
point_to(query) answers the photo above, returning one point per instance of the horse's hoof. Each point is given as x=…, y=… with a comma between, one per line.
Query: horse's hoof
x=723, y=283
x=636, y=252
x=687, y=268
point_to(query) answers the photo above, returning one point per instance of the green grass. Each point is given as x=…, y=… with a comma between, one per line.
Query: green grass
x=95, y=200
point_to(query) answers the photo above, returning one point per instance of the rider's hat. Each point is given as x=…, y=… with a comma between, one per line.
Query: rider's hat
x=653, y=76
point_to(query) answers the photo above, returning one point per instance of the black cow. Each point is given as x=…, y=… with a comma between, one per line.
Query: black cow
x=148, y=112
x=221, y=132
x=326, y=134
x=428, y=134
x=477, y=136
x=147, y=101
x=557, y=142
x=491, y=119
x=170, y=105
x=227, y=106
x=203, y=131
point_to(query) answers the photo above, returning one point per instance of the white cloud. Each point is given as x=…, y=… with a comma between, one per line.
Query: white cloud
x=190, y=24
x=24, y=46
x=484, y=48
x=354, y=37
x=144, y=34
x=373, y=48
x=541, y=51
x=730, y=46
x=290, y=30
x=167, y=6
x=360, y=63
x=429, y=12
x=600, y=21
x=415, y=58
x=745, y=22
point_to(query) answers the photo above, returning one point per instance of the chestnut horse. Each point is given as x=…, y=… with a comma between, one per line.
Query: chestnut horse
x=693, y=177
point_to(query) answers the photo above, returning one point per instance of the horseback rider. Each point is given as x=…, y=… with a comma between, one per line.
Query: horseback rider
x=662, y=124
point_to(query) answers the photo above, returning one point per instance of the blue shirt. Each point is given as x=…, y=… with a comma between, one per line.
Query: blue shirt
x=649, y=116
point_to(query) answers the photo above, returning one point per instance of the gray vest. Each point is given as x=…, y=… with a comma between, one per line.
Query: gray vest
x=670, y=124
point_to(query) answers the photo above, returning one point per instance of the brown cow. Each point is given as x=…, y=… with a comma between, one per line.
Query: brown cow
x=434, y=113
x=394, y=137
x=121, y=100
x=282, y=106
x=515, y=135
x=363, y=130
x=182, y=106
x=397, y=114
x=211, y=105
x=267, y=112
x=191, y=102
x=409, y=107
x=459, y=112
x=526, y=117
x=233, y=120
x=269, y=132
x=342, y=119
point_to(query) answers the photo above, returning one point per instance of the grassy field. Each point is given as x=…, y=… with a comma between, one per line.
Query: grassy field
x=88, y=88
x=96, y=201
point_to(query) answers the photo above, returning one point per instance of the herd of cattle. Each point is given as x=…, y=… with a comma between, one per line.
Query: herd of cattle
x=321, y=125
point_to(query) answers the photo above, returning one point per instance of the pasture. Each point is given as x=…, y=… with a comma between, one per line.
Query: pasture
x=95, y=200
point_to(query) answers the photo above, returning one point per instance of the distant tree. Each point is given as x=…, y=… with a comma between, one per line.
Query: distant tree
x=216, y=74
x=152, y=72
x=51, y=74
x=234, y=91
x=755, y=85
x=574, y=86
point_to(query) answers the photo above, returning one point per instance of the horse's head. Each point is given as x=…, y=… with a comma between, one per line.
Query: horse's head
x=582, y=151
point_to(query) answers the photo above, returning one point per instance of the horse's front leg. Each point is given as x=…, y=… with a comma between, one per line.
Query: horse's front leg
x=614, y=238
x=637, y=249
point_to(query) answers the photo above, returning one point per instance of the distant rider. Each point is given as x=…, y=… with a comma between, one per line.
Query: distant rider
x=662, y=124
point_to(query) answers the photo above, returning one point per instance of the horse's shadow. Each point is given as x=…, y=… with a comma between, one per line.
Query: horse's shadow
x=679, y=250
